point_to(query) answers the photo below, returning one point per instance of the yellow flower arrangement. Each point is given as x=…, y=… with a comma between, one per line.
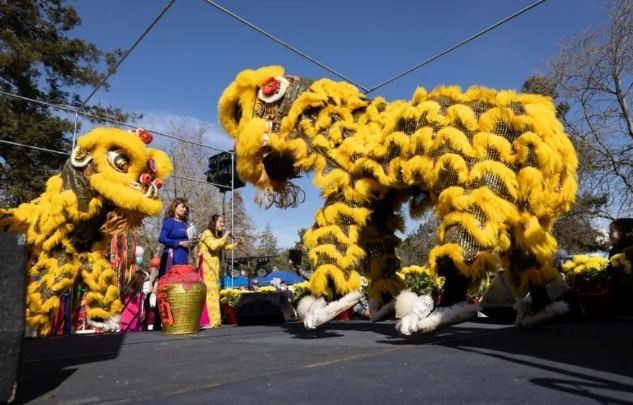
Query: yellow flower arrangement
x=300, y=290
x=619, y=261
x=230, y=296
x=587, y=273
x=580, y=264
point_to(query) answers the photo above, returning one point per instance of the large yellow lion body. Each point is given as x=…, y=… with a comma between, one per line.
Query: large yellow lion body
x=67, y=226
x=496, y=166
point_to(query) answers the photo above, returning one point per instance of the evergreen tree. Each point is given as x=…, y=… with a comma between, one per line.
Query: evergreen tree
x=415, y=248
x=39, y=61
x=267, y=245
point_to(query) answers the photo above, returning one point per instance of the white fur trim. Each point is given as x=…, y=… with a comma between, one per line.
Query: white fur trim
x=317, y=304
x=421, y=308
x=320, y=314
x=304, y=305
x=444, y=316
x=381, y=312
x=531, y=319
x=75, y=162
x=404, y=303
x=522, y=308
x=111, y=325
x=283, y=86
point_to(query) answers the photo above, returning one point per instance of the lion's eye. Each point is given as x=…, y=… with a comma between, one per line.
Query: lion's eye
x=237, y=113
x=118, y=160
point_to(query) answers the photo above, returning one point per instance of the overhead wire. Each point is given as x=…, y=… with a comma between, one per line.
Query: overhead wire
x=68, y=154
x=108, y=119
x=127, y=53
x=282, y=43
x=457, y=45
x=70, y=109
x=77, y=110
x=34, y=147
x=398, y=76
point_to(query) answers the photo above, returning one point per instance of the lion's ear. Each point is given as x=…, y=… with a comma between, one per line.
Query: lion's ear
x=164, y=166
x=254, y=78
x=80, y=157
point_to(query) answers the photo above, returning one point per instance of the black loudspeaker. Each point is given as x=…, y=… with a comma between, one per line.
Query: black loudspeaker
x=498, y=301
x=13, y=253
x=260, y=309
x=295, y=255
x=219, y=171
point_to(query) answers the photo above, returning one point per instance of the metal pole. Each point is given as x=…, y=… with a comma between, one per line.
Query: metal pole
x=75, y=129
x=232, y=210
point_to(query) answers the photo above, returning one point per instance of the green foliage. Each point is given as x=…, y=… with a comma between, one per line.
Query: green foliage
x=268, y=246
x=267, y=242
x=421, y=284
x=39, y=61
x=574, y=230
x=590, y=280
x=415, y=248
x=537, y=84
x=300, y=291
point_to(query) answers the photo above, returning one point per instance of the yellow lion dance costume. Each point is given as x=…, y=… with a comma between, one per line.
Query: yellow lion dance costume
x=107, y=186
x=496, y=166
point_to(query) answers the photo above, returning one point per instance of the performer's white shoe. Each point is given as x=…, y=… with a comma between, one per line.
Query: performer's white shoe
x=315, y=311
x=419, y=315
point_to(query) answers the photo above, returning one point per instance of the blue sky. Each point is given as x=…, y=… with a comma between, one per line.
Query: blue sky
x=179, y=71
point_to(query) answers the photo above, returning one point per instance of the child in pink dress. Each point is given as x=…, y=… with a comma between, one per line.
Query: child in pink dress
x=132, y=298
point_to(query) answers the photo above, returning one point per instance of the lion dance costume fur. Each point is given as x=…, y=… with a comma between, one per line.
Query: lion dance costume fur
x=107, y=186
x=496, y=166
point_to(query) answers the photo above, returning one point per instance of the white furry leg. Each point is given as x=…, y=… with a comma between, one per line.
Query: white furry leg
x=444, y=316
x=304, y=306
x=110, y=325
x=319, y=312
x=377, y=312
x=528, y=318
x=411, y=309
x=310, y=306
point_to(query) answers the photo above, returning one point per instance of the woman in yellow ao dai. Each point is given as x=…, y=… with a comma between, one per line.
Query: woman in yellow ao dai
x=210, y=245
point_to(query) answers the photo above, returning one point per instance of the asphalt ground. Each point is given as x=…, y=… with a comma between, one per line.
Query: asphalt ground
x=353, y=362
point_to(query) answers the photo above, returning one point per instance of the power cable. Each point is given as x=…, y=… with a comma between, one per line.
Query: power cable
x=406, y=72
x=110, y=120
x=35, y=147
x=459, y=44
x=127, y=53
x=282, y=43
x=68, y=154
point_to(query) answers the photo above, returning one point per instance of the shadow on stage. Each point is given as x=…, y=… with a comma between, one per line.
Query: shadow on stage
x=576, y=351
x=47, y=362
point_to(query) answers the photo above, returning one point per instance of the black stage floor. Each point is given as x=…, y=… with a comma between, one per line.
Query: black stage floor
x=353, y=362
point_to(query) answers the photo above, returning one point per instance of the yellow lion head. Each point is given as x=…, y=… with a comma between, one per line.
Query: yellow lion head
x=121, y=168
x=261, y=109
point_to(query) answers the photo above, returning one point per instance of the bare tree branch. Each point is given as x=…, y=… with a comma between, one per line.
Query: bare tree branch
x=594, y=72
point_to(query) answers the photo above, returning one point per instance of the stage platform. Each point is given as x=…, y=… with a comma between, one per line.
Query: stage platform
x=354, y=362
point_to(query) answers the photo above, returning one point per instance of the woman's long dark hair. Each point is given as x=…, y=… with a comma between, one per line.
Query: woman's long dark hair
x=171, y=212
x=135, y=285
x=625, y=227
x=211, y=226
